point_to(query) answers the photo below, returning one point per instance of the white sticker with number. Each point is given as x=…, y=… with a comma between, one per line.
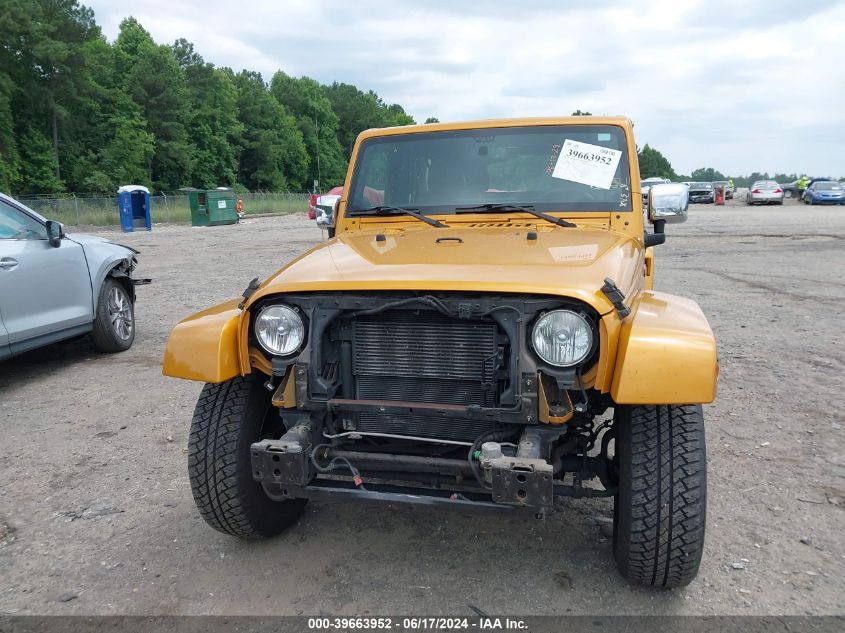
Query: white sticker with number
x=592, y=165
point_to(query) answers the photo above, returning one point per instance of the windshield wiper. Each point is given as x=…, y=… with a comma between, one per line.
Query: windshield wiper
x=414, y=212
x=511, y=208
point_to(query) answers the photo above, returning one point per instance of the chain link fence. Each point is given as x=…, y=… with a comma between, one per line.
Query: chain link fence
x=75, y=210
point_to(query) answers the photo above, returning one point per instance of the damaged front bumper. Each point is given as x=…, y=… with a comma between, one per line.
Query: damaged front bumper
x=297, y=466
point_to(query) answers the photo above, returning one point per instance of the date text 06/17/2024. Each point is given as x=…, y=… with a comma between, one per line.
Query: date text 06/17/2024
x=483, y=623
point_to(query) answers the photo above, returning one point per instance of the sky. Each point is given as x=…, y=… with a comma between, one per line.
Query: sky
x=741, y=86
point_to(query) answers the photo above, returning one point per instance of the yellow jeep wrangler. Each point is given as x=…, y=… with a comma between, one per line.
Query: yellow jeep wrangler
x=485, y=301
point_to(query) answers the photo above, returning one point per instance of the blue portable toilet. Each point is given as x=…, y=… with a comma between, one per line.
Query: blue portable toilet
x=134, y=204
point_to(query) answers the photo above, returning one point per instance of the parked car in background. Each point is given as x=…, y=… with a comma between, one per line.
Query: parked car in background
x=812, y=181
x=790, y=189
x=312, y=201
x=825, y=192
x=729, y=190
x=701, y=192
x=55, y=286
x=764, y=192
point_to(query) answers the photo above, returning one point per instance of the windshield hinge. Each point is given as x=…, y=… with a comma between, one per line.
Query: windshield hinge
x=612, y=292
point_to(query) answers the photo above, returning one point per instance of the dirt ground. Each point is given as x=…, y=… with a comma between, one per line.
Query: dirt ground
x=96, y=514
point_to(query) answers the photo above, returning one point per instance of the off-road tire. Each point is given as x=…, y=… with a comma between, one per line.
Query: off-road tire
x=104, y=335
x=228, y=418
x=660, y=506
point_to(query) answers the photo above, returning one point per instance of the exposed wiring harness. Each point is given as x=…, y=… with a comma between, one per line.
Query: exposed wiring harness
x=492, y=436
x=334, y=464
x=426, y=300
x=586, y=402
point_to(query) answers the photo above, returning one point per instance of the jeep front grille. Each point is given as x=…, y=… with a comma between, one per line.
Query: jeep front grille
x=423, y=356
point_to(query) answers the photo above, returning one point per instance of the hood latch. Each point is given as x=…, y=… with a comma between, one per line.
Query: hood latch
x=612, y=292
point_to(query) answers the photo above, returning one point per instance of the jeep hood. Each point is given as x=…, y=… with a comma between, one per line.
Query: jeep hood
x=570, y=262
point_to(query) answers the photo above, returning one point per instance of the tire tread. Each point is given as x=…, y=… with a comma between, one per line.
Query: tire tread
x=662, y=498
x=218, y=465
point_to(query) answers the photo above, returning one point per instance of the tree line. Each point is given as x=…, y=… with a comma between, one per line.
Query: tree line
x=654, y=165
x=81, y=114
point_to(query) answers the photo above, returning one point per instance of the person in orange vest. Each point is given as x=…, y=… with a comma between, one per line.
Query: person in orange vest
x=239, y=209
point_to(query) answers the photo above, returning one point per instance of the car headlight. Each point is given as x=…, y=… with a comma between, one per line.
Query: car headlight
x=279, y=330
x=562, y=338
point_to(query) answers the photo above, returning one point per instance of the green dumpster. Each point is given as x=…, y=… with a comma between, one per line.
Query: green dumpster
x=212, y=207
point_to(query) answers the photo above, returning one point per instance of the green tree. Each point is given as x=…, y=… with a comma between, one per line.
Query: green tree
x=83, y=114
x=358, y=111
x=706, y=174
x=156, y=83
x=123, y=157
x=42, y=70
x=16, y=28
x=9, y=157
x=317, y=122
x=396, y=116
x=581, y=113
x=214, y=129
x=108, y=135
x=654, y=165
x=432, y=119
x=272, y=152
x=40, y=163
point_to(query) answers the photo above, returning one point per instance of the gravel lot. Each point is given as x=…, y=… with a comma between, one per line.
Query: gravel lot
x=96, y=514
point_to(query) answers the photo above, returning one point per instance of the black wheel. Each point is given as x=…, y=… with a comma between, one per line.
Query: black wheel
x=228, y=418
x=114, y=323
x=660, y=508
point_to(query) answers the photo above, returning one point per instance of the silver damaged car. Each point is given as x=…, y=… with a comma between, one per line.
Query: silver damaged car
x=55, y=286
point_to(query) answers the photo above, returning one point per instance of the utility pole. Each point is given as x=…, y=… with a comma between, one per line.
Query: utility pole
x=317, y=142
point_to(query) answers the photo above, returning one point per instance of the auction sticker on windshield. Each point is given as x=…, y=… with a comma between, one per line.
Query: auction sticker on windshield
x=588, y=164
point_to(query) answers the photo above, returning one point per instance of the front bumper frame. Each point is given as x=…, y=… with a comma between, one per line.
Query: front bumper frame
x=287, y=468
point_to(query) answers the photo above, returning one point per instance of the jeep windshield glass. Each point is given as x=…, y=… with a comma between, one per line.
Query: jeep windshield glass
x=552, y=168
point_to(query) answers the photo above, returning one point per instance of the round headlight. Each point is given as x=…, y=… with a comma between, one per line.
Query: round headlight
x=279, y=330
x=562, y=338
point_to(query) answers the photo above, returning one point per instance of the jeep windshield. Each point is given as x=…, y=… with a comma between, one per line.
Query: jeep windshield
x=551, y=168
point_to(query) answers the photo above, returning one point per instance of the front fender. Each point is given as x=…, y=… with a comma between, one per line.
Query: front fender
x=666, y=353
x=102, y=256
x=204, y=346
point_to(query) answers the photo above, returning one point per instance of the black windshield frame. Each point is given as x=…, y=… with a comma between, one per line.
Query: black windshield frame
x=524, y=144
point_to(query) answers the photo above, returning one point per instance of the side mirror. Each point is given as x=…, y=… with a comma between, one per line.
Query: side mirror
x=325, y=219
x=326, y=211
x=55, y=233
x=668, y=203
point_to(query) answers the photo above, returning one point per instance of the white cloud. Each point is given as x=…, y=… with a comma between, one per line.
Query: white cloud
x=742, y=87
